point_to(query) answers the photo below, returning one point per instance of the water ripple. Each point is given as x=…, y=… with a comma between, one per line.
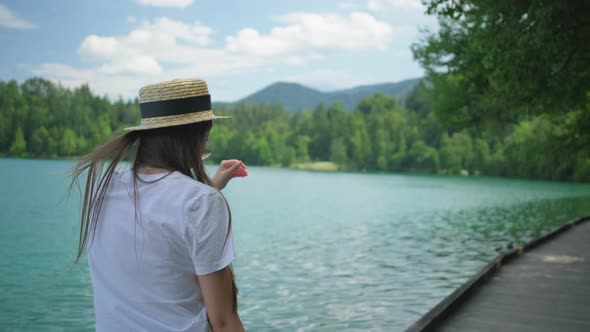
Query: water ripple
x=317, y=252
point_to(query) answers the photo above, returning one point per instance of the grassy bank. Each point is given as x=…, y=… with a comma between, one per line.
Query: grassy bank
x=322, y=166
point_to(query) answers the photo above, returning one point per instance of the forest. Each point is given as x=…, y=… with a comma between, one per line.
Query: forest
x=506, y=92
x=43, y=120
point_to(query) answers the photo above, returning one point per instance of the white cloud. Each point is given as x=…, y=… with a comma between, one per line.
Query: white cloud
x=168, y=30
x=409, y=17
x=9, y=19
x=153, y=51
x=294, y=60
x=306, y=33
x=163, y=48
x=351, y=5
x=381, y=5
x=378, y=5
x=98, y=47
x=140, y=64
x=166, y=3
x=144, y=48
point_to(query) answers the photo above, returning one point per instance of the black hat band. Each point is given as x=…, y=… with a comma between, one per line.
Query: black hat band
x=175, y=106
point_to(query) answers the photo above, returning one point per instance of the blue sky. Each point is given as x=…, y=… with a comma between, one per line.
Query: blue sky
x=238, y=47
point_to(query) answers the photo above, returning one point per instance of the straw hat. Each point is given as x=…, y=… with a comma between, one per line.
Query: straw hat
x=173, y=103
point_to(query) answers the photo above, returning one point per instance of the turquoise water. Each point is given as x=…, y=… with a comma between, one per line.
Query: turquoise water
x=317, y=251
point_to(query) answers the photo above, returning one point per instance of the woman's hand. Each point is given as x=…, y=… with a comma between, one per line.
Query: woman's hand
x=227, y=170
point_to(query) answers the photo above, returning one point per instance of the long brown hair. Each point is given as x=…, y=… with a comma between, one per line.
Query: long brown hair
x=177, y=148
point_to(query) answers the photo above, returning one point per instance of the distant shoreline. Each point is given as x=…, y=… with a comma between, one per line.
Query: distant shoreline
x=318, y=166
x=332, y=167
x=324, y=166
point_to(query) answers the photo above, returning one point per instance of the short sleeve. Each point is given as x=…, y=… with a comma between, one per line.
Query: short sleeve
x=210, y=241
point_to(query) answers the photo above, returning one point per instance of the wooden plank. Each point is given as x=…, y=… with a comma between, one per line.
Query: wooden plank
x=525, y=293
x=477, y=324
x=514, y=313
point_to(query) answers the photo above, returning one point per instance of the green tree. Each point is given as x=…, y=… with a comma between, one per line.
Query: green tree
x=450, y=155
x=69, y=144
x=219, y=141
x=40, y=118
x=319, y=146
x=360, y=144
x=502, y=63
x=302, y=148
x=509, y=57
x=40, y=141
x=13, y=111
x=263, y=152
x=420, y=100
x=19, y=144
x=464, y=142
x=423, y=158
x=481, y=155
x=582, y=167
x=289, y=156
x=497, y=163
x=338, y=152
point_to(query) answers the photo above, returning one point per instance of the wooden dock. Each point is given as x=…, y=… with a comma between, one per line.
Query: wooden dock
x=541, y=286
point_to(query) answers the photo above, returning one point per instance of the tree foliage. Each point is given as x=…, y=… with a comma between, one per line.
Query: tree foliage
x=41, y=119
x=515, y=76
x=505, y=60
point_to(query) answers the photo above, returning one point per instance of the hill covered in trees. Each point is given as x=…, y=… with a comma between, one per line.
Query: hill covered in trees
x=296, y=97
x=41, y=119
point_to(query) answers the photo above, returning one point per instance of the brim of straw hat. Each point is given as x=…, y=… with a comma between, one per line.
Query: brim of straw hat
x=176, y=120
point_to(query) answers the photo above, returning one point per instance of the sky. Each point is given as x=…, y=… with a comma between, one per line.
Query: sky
x=238, y=47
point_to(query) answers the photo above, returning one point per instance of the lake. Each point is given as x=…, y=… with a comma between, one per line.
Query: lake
x=316, y=251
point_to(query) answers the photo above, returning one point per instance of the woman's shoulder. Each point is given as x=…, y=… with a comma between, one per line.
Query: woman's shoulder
x=174, y=185
x=197, y=200
x=189, y=188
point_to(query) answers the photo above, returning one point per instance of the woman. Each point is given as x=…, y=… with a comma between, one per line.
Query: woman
x=158, y=236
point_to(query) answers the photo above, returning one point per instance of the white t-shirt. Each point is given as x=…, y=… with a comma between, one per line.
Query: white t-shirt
x=144, y=273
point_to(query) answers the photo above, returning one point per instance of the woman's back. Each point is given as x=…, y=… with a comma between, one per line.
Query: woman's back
x=144, y=268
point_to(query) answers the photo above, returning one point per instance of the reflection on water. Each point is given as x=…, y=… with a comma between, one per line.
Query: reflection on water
x=317, y=252
x=383, y=275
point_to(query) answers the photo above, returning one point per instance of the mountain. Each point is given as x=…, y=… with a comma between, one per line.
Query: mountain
x=296, y=97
